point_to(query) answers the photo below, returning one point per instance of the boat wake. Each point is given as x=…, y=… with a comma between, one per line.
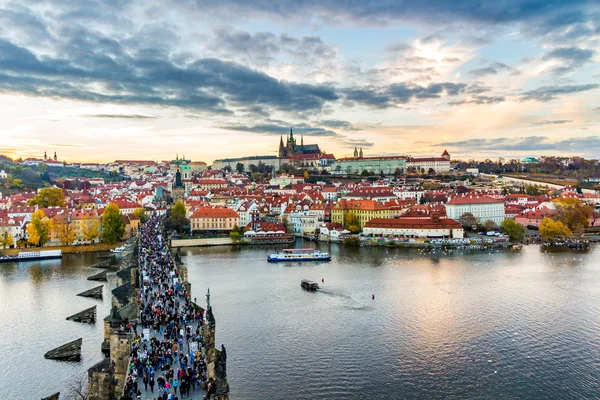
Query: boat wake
x=348, y=301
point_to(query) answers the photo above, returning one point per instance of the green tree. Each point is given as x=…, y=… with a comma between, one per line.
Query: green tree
x=178, y=219
x=365, y=173
x=468, y=221
x=16, y=184
x=141, y=214
x=235, y=237
x=113, y=225
x=39, y=229
x=49, y=197
x=239, y=167
x=6, y=239
x=514, y=230
x=553, y=230
x=351, y=222
x=253, y=168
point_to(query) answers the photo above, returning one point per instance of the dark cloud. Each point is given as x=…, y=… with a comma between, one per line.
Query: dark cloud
x=571, y=58
x=98, y=69
x=275, y=127
x=528, y=143
x=372, y=11
x=120, y=116
x=547, y=93
x=401, y=93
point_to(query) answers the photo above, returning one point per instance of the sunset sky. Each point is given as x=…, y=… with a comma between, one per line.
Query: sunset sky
x=105, y=80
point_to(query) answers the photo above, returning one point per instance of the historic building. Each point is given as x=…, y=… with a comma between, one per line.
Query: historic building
x=178, y=190
x=482, y=208
x=291, y=148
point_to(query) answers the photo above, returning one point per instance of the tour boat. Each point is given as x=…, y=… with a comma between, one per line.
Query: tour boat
x=299, y=255
x=118, y=249
x=309, y=285
x=33, y=256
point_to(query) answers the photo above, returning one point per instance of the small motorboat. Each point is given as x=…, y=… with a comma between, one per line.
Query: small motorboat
x=119, y=249
x=309, y=285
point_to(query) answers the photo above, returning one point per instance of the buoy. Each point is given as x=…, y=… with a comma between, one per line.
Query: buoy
x=373, y=297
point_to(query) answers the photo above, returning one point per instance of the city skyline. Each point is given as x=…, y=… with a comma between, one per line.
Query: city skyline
x=103, y=81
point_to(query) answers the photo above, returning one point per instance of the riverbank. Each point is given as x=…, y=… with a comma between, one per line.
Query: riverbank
x=87, y=248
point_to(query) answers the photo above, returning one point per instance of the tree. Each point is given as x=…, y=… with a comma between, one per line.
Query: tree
x=39, y=228
x=65, y=232
x=113, y=225
x=573, y=213
x=351, y=222
x=16, y=184
x=235, y=237
x=253, y=168
x=78, y=388
x=178, y=219
x=490, y=225
x=364, y=173
x=89, y=228
x=239, y=167
x=431, y=171
x=468, y=221
x=141, y=214
x=49, y=197
x=552, y=230
x=514, y=230
x=285, y=222
x=6, y=239
x=306, y=174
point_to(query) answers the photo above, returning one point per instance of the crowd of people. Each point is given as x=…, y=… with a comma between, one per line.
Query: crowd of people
x=166, y=361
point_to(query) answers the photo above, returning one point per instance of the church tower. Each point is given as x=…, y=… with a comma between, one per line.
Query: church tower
x=360, y=154
x=355, y=152
x=291, y=144
x=281, y=147
x=45, y=156
x=178, y=189
x=55, y=158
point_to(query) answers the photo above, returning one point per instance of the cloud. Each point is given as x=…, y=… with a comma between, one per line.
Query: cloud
x=547, y=93
x=120, y=116
x=337, y=124
x=528, y=143
x=551, y=122
x=352, y=143
x=478, y=99
x=66, y=145
x=275, y=127
x=568, y=59
x=491, y=70
x=206, y=84
x=401, y=93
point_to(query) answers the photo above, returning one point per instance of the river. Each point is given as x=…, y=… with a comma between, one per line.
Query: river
x=501, y=325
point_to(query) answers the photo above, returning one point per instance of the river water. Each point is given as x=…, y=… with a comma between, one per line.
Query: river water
x=506, y=325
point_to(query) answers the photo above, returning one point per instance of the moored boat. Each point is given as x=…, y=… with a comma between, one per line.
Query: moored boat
x=299, y=255
x=309, y=285
x=118, y=249
x=33, y=256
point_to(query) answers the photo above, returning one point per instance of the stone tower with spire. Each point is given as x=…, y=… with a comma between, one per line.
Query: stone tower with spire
x=55, y=158
x=45, y=156
x=360, y=154
x=355, y=152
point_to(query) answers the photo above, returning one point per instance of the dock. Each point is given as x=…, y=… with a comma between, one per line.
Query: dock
x=100, y=276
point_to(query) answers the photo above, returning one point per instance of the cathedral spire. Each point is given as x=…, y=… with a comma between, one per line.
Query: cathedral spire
x=302, y=140
x=355, y=152
x=360, y=154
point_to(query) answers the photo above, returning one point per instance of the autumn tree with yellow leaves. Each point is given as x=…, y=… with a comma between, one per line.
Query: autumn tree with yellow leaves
x=39, y=229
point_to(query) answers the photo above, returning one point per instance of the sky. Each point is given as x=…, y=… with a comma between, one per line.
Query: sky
x=97, y=81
